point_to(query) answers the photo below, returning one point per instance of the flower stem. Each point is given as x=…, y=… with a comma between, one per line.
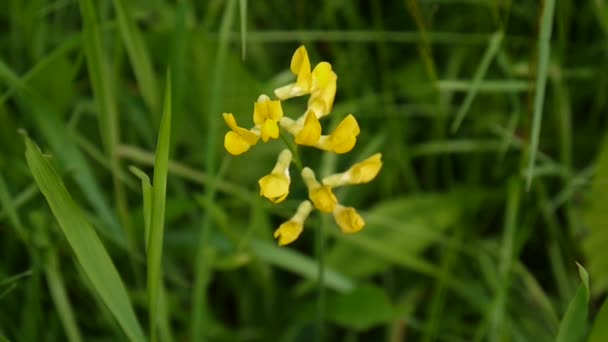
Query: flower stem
x=321, y=279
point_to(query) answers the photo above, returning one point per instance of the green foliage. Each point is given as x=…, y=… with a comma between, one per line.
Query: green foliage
x=471, y=234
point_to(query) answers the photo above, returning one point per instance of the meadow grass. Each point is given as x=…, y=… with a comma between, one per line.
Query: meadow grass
x=122, y=216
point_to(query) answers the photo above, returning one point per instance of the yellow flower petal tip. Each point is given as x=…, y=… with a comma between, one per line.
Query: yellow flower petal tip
x=348, y=219
x=288, y=232
x=321, y=196
x=362, y=172
x=300, y=66
x=275, y=186
x=311, y=131
x=266, y=114
x=238, y=140
x=323, y=199
x=343, y=139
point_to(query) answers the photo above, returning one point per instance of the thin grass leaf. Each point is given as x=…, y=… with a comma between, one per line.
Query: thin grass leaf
x=544, y=50
x=146, y=189
x=138, y=55
x=573, y=326
x=157, y=222
x=599, y=332
x=59, y=295
x=480, y=73
x=85, y=243
x=243, y=12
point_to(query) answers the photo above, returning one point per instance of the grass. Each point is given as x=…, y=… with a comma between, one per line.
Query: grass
x=122, y=216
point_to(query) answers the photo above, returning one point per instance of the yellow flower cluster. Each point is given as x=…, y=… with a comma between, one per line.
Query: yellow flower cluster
x=320, y=84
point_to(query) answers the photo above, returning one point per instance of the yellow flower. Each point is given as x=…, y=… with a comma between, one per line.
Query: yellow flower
x=289, y=231
x=361, y=172
x=310, y=132
x=343, y=139
x=275, y=186
x=300, y=66
x=321, y=195
x=238, y=140
x=323, y=92
x=266, y=114
x=348, y=219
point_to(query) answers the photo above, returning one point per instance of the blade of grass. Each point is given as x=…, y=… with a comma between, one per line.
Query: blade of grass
x=85, y=243
x=59, y=295
x=480, y=73
x=146, y=189
x=573, y=326
x=107, y=109
x=138, y=56
x=157, y=220
x=544, y=50
x=203, y=266
x=243, y=13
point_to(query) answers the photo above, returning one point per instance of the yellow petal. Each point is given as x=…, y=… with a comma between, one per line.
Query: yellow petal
x=269, y=129
x=274, y=186
x=348, y=219
x=274, y=110
x=310, y=133
x=247, y=135
x=259, y=113
x=230, y=120
x=300, y=65
x=349, y=124
x=365, y=170
x=322, y=99
x=321, y=74
x=288, y=232
x=323, y=198
x=344, y=138
x=235, y=144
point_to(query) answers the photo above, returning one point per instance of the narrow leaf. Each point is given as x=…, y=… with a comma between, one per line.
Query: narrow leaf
x=146, y=189
x=86, y=245
x=574, y=324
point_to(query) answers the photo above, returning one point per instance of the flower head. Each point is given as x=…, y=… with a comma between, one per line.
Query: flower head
x=300, y=66
x=275, y=186
x=343, y=139
x=266, y=115
x=321, y=195
x=289, y=231
x=362, y=172
x=239, y=139
x=310, y=132
x=348, y=219
x=323, y=91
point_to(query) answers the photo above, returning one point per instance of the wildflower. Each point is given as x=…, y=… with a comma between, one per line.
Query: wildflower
x=239, y=139
x=275, y=186
x=266, y=115
x=361, y=172
x=321, y=195
x=300, y=66
x=348, y=219
x=323, y=92
x=289, y=231
x=343, y=139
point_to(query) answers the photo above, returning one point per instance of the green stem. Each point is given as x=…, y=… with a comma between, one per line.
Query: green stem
x=321, y=277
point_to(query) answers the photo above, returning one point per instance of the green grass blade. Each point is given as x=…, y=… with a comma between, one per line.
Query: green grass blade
x=243, y=13
x=86, y=245
x=599, y=332
x=146, y=189
x=480, y=73
x=60, y=298
x=544, y=49
x=138, y=55
x=574, y=324
x=157, y=222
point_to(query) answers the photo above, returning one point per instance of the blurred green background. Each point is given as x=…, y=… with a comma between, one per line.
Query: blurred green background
x=490, y=116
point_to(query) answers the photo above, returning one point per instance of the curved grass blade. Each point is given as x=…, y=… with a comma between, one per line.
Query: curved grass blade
x=574, y=324
x=86, y=245
x=157, y=218
x=544, y=49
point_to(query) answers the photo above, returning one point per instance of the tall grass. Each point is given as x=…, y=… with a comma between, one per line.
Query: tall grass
x=487, y=221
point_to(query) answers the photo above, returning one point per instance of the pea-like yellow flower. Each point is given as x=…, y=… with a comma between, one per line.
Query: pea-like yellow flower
x=323, y=92
x=311, y=130
x=343, y=139
x=239, y=139
x=266, y=115
x=348, y=219
x=289, y=231
x=321, y=195
x=300, y=66
x=275, y=186
x=361, y=172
